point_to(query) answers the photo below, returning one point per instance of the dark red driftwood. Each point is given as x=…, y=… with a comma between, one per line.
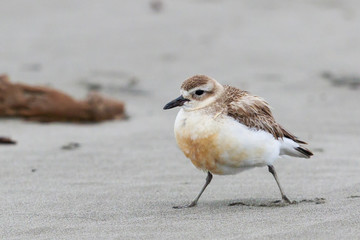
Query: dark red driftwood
x=49, y=105
x=6, y=140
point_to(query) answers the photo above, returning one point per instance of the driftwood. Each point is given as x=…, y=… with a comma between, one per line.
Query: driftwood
x=44, y=104
x=6, y=140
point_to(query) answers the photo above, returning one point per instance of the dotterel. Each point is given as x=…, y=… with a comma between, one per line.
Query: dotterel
x=224, y=130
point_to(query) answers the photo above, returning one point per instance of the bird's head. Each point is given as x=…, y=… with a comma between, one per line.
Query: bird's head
x=197, y=92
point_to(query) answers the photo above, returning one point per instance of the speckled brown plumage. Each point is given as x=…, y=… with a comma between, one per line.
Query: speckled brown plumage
x=195, y=81
x=254, y=112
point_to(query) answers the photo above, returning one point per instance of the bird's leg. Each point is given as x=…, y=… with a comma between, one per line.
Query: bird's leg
x=273, y=172
x=194, y=202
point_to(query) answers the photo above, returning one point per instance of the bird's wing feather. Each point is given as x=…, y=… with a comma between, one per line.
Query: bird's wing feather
x=254, y=112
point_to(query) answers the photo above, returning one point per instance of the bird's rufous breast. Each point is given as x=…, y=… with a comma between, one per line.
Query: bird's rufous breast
x=202, y=151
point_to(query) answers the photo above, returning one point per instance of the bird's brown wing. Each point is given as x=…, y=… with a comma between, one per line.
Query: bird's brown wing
x=254, y=112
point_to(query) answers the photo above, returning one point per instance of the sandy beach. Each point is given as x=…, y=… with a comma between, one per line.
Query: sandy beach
x=124, y=177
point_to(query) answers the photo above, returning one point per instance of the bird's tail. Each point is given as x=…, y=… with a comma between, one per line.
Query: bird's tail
x=294, y=149
x=304, y=151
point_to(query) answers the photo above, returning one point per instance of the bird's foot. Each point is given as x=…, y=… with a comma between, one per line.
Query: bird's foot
x=287, y=200
x=192, y=204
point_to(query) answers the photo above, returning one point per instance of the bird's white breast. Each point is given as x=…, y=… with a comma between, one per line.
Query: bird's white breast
x=221, y=145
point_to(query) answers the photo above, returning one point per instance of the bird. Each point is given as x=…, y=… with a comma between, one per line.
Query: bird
x=224, y=130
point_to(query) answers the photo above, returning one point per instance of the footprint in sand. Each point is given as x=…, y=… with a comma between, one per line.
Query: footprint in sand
x=278, y=203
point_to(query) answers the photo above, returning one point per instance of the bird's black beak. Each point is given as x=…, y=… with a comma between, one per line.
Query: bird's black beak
x=176, y=103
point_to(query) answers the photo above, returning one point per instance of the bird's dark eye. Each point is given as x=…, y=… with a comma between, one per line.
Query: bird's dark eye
x=199, y=92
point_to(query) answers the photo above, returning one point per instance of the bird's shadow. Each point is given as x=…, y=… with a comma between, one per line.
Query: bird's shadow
x=277, y=203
